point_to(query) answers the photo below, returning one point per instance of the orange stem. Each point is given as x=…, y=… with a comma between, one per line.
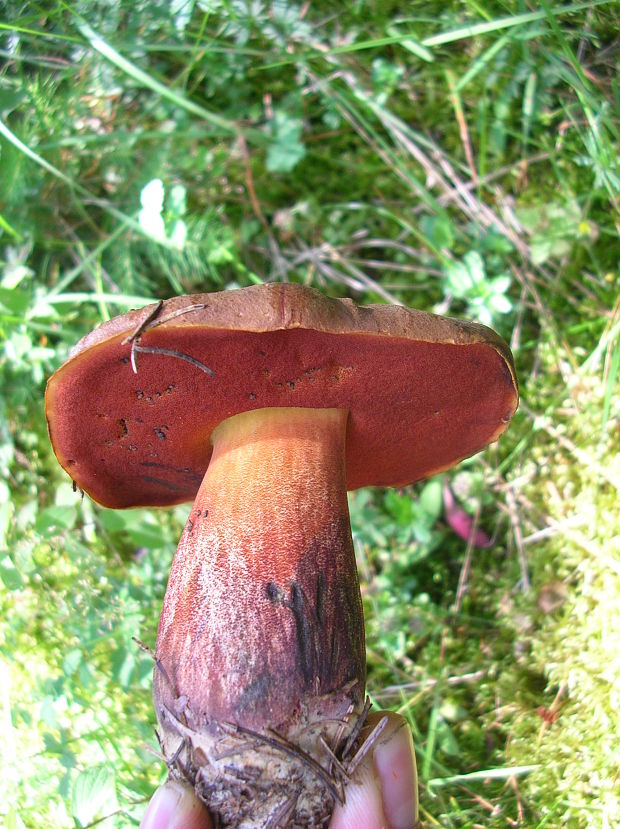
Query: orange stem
x=263, y=613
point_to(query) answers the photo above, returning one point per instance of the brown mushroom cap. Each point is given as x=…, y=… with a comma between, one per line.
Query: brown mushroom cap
x=423, y=392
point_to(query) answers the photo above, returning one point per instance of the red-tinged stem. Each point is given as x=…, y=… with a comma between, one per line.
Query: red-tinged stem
x=262, y=624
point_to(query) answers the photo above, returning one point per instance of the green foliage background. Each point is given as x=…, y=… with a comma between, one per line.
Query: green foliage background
x=460, y=157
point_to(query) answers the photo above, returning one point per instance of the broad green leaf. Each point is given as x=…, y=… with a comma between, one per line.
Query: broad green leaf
x=94, y=794
x=446, y=741
x=287, y=148
x=177, y=200
x=14, y=299
x=465, y=278
x=501, y=284
x=47, y=712
x=10, y=575
x=77, y=552
x=6, y=510
x=152, y=196
x=56, y=519
x=178, y=234
x=11, y=99
x=149, y=536
x=149, y=217
x=114, y=521
x=430, y=499
x=439, y=229
x=500, y=303
x=475, y=266
x=72, y=661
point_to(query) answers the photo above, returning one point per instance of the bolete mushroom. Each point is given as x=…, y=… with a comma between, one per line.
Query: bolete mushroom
x=264, y=405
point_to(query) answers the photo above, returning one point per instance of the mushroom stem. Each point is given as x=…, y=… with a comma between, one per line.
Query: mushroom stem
x=262, y=626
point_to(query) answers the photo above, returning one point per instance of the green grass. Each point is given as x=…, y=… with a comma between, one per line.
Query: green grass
x=461, y=157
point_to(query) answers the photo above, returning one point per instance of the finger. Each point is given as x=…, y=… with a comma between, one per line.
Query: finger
x=383, y=792
x=175, y=806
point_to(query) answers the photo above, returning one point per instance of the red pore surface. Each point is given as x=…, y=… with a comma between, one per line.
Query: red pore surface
x=419, y=400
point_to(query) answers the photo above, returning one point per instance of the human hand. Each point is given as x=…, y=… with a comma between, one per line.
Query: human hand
x=382, y=794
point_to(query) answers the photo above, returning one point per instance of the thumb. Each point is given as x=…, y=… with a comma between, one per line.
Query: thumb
x=383, y=790
x=174, y=806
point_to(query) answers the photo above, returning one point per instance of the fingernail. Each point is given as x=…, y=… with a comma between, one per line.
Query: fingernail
x=395, y=764
x=169, y=806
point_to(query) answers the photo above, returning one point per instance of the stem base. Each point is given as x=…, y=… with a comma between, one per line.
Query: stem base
x=254, y=780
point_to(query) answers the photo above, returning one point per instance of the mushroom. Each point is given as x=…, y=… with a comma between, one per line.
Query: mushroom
x=264, y=405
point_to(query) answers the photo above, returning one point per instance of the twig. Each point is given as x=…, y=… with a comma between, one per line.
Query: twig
x=461, y=590
x=140, y=328
x=198, y=306
x=473, y=676
x=367, y=745
x=144, y=647
x=280, y=817
x=518, y=534
x=273, y=245
x=333, y=759
x=342, y=727
x=143, y=324
x=274, y=740
x=151, y=321
x=356, y=728
x=83, y=261
x=171, y=352
x=462, y=124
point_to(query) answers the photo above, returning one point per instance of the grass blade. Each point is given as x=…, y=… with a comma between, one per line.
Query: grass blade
x=178, y=99
x=477, y=29
x=483, y=774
